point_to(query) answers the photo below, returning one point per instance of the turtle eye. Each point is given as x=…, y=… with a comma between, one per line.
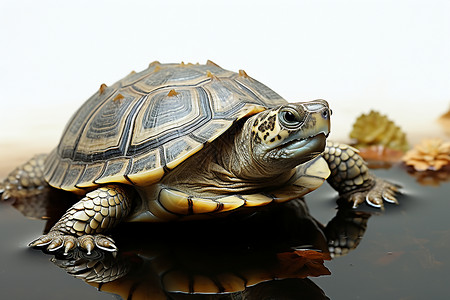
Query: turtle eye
x=290, y=117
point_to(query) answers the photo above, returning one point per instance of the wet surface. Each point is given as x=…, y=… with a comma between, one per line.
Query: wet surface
x=403, y=253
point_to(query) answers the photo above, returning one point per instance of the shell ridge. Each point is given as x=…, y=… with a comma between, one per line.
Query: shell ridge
x=168, y=86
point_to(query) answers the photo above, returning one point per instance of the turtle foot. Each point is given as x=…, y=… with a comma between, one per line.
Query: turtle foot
x=55, y=240
x=380, y=192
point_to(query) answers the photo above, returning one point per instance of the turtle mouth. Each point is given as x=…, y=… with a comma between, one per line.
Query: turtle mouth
x=303, y=149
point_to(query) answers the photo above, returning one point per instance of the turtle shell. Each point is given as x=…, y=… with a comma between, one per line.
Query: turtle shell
x=149, y=122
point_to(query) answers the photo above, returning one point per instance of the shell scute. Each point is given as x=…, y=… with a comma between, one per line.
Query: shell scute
x=72, y=175
x=146, y=168
x=175, y=151
x=113, y=171
x=91, y=173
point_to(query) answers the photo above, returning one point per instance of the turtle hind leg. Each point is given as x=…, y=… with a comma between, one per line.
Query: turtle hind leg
x=26, y=180
x=26, y=189
x=351, y=177
x=83, y=224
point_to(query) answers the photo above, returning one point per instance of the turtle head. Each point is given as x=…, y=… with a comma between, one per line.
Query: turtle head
x=289, y=135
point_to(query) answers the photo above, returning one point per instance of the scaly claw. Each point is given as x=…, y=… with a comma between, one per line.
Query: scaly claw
x=86, y=242
x=389, y=195
x=45, y=239
x=71, y=243
x=381, y=191
x=56, y=240
x=357, y=198
x=105, y=243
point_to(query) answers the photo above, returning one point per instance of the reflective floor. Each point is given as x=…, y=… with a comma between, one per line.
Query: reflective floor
x=315, y=252
x=405, y=251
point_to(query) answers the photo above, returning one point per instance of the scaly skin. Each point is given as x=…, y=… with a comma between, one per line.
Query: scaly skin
x=26, y=180
x=99, y=211
x=352, y=178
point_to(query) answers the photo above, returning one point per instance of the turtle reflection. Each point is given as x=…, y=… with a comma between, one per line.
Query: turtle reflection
x=240, y=257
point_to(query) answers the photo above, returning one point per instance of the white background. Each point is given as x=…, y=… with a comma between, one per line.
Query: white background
x=392, y=56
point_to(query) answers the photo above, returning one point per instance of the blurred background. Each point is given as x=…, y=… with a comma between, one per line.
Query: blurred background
x=391, y=56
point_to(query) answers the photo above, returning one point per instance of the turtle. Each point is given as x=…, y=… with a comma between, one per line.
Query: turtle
x=181, y=142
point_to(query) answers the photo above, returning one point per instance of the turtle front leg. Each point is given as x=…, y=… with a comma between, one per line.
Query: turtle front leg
x=83, y=223
x=352, y=178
